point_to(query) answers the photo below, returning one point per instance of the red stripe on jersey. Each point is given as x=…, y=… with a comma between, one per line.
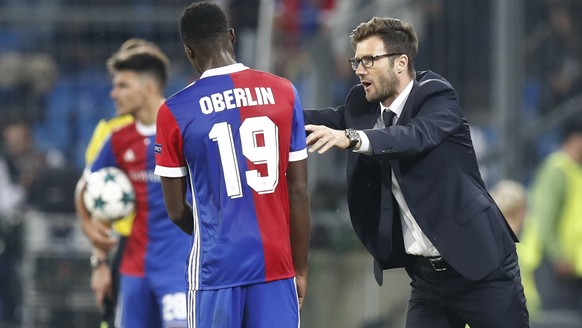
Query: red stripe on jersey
x=272, y=208
x=130, y=152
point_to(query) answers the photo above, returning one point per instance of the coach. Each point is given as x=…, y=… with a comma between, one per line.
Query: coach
x=415, y=195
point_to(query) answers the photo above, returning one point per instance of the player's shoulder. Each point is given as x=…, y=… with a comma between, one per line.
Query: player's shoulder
x=182, y=95
x=119, y=125
x=120, y=121
x=115, y=123
x=105, y=128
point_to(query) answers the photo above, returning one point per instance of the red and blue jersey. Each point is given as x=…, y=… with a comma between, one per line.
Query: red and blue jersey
x=156, y=246
x=233, y=133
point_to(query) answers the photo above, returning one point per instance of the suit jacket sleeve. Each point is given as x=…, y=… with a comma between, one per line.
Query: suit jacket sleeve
x=330, y=117
x=430, y=116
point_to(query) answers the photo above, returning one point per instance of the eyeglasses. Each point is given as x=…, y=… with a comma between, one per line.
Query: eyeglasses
x=368, y=61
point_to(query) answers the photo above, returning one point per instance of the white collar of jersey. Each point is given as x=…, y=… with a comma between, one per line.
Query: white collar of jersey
x=145, y=130
x=224, y=70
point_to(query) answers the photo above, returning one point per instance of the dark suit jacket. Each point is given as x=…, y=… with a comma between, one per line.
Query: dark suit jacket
x=431, y=152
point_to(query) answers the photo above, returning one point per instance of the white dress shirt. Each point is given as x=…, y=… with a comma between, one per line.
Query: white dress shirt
x=415, y=241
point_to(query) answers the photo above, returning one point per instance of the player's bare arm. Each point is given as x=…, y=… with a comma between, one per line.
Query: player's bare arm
x=300, y=222
x=323, y=138
x=179, y=210
x=98, y=233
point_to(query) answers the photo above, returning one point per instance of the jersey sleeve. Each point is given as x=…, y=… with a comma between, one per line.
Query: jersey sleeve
x=97, y=138
x=298, y=144
x=105, y=158
x=169, y=158
x=100, y=134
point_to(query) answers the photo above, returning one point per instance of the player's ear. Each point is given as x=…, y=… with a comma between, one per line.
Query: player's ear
x=188, y=51
x=152, y=86
x=232, y=35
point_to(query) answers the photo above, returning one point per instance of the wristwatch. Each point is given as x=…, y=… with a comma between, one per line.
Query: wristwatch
x=97, y=262
x=353, y=137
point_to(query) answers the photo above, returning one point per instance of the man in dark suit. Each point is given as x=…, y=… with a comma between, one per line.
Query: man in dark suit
x=415, y=194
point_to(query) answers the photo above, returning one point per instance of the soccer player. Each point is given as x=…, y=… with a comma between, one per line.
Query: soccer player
x=107, y=276
x=152, y=285
x=236, y=137
x=102, y=132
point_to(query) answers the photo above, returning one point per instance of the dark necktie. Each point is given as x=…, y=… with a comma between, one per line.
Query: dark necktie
x=388, y=117
x=385, y=225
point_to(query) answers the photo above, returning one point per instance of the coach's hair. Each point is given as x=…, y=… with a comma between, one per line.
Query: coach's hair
x=203, y=24
x=398, y=36
x=142, y=59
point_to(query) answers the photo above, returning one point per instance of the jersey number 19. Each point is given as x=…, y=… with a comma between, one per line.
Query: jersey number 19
x=266, y=152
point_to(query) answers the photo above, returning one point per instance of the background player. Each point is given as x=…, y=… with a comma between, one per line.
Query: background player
x=152, y=287
x=104, y=273
x=237, y=135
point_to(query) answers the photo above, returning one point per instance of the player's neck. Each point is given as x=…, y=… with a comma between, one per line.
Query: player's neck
x=147, y=115
x=223, y=59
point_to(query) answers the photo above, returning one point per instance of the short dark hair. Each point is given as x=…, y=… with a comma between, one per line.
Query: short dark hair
x=398, y=36
x=203, y=23
x=144, y=60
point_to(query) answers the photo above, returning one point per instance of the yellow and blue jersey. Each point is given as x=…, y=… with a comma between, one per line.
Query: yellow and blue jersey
x=156, y=247
x=101, y=133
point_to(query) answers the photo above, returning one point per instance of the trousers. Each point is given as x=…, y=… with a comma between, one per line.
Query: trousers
x=442, y=298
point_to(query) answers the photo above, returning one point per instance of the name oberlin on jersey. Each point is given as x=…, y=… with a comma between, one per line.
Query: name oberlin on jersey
x=236, y=98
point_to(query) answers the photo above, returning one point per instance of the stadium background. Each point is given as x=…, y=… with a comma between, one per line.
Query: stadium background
x=501, y=57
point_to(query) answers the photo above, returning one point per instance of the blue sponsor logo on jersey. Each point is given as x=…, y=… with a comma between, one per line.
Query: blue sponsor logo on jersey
x=158, y=148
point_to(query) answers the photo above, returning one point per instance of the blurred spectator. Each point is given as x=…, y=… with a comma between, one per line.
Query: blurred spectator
x=510, y=197
x=11, y=193
x=43, y=176
x=25, y=81
x=11, y=199
x=20, y=150
x=551, y=244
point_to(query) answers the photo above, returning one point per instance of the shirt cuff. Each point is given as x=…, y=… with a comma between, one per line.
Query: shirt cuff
x=364, y=144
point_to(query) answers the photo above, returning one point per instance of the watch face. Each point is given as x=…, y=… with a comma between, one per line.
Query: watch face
x=95, y=262
x=353, y=137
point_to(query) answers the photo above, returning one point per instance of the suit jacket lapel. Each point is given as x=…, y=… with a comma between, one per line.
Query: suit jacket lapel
x=404, y=117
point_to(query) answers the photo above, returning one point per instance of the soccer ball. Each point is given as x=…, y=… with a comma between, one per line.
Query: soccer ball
x=109, y=195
